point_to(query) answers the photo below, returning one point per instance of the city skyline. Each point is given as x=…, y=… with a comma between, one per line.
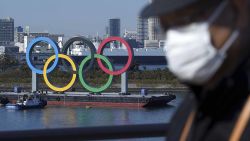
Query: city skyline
x=72, y=23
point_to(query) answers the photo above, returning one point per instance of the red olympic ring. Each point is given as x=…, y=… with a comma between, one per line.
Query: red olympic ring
x=130, y=55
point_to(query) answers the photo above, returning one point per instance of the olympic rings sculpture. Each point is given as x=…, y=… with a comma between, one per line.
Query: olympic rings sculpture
x=82, y=70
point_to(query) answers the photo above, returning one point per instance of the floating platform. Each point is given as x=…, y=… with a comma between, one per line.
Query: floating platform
x=101, y=100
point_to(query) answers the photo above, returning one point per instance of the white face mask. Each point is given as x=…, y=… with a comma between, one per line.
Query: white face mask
x=190, y=53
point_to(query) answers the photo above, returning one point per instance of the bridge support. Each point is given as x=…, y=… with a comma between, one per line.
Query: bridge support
x=124, y=84
x=34, y=82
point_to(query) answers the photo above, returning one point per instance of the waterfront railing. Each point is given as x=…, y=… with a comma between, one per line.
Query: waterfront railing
x=87, y=133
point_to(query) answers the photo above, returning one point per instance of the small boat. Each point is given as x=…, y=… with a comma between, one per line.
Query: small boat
x=4, y=101
x=160, y=100
x=28, y=102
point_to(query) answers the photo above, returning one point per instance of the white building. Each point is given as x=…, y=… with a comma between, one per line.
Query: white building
x=142, y=29
x=130, y=34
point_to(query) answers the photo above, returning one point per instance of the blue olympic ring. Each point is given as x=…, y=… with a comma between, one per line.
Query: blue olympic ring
x=32, y=45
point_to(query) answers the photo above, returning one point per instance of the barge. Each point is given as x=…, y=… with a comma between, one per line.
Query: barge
x=101, y=100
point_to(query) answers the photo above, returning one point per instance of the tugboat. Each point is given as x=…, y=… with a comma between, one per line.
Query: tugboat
x=28, y=102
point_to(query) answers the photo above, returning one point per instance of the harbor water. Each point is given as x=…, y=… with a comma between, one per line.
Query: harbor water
x=64, y=117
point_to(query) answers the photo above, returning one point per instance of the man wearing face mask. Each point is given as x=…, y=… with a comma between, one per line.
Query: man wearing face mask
x=208, y=49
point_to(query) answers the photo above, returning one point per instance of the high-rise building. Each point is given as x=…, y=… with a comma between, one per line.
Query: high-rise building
x=114, y=27
x=6, y=31
x=19, y=29
x=142, y=30
x=19, y=34
x=155, y=34
x=154, y=29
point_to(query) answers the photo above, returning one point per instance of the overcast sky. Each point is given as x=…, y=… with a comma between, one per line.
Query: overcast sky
x=71, y=17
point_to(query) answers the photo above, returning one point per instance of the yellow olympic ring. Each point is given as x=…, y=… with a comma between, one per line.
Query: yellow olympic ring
x=71, y=83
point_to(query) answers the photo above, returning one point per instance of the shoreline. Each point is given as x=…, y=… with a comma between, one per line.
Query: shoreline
x=110, y=90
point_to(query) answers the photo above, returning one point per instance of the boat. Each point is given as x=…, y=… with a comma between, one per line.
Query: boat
x=104, y=99
x=28, y=102
x=159, y=101
x=4, y=101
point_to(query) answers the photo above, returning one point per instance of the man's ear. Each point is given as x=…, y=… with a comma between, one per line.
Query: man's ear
x=241, y=7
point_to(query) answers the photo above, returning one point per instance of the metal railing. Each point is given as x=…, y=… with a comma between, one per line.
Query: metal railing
x=87, y=133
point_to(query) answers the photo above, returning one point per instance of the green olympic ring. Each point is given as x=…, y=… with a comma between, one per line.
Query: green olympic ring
x=84, y=83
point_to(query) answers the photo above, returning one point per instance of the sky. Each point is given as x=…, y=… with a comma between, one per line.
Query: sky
x=71, y=17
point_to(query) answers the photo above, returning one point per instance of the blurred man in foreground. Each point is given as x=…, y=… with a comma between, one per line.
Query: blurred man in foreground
x=208, y=48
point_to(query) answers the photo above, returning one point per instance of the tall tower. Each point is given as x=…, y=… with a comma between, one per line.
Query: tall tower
x=155, y=34
x=154, y=29
x=6, y=31
x=25, y=43
x=115, y=27
x=142, y=30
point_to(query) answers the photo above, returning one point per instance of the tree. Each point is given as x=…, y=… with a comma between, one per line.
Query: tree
x=6, y=61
